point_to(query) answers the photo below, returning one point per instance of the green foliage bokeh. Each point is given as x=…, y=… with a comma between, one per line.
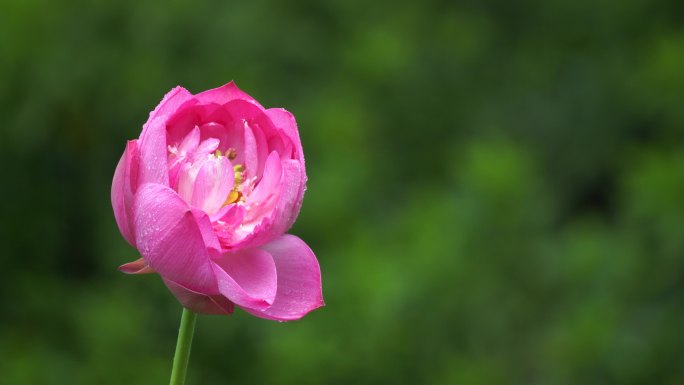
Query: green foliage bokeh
x=495, y=196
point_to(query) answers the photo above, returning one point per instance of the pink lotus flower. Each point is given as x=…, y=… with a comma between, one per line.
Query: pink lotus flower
x=206, y=195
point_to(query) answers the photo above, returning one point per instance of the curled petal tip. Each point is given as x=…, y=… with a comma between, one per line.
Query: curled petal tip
x=139, y=266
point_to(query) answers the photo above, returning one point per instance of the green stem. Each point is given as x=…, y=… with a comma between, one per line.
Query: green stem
x=180, y=359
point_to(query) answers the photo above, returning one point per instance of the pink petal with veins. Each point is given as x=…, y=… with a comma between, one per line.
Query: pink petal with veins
x=299, y=280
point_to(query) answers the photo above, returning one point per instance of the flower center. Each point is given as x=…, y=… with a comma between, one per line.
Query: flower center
x=235, y=194
x=204, y=176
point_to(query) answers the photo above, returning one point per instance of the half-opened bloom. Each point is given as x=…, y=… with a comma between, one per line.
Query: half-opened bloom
x=206, y=195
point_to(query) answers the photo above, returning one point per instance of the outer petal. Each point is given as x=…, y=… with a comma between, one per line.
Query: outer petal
x=299, y=280
x=170, y=239
x=208, y=235
x=200, y=303
x=123, y=187
x=285, y=121
x=225, y=94
x=291, y=190
x=154, y=166
x=170, y=103
x=247, y=278
x=290, y=202
x=153, y=144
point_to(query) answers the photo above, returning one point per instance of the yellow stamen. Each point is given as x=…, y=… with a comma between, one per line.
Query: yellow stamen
x=233, y=197
x=218, y=154
x=238, y=169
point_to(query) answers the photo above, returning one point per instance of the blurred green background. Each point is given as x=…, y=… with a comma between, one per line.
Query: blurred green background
x=496, y=189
